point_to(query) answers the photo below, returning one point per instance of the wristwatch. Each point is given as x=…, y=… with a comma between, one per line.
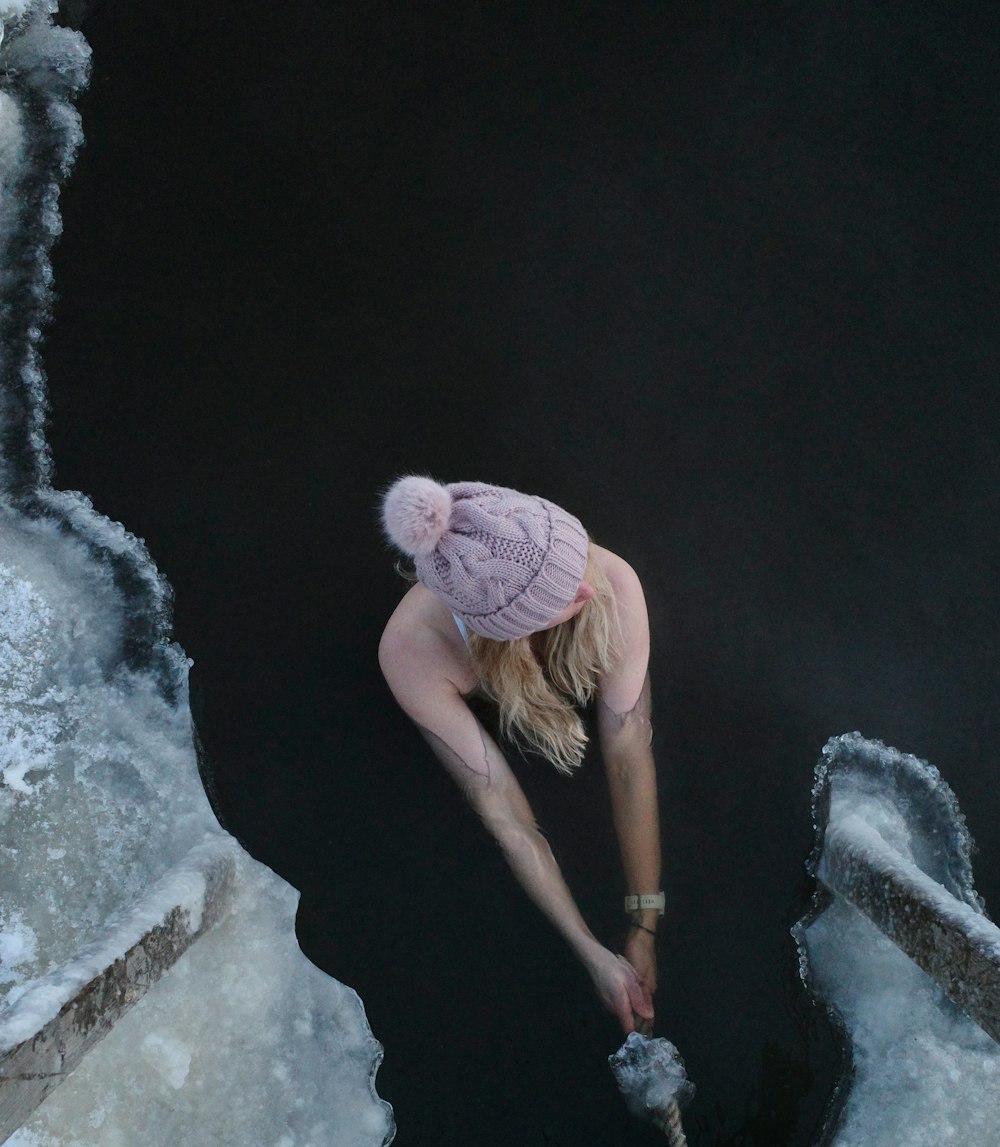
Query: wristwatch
x=655, y=900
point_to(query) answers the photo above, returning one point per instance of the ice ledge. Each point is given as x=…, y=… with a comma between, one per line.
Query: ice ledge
x=47, y=1031
x=952, y=942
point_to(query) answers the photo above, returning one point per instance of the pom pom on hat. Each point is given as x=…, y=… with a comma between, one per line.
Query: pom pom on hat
x=415, y=514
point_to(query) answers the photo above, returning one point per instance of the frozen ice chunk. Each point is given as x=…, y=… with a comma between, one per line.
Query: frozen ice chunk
x=15, y=9
x=651, y=1076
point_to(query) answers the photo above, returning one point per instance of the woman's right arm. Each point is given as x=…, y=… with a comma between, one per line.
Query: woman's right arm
x=416, y=668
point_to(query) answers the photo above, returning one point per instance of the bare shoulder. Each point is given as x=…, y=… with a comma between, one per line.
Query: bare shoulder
x=622, y=577
x=622, y=686
x=421, y=648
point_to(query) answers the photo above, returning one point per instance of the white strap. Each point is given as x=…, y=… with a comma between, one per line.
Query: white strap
x=646, y=900
x=462, y=627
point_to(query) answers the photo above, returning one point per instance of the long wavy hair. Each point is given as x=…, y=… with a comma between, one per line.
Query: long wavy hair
x=539, y=682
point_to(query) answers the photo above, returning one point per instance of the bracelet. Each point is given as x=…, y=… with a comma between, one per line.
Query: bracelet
x=646, y=900
x=643, y=928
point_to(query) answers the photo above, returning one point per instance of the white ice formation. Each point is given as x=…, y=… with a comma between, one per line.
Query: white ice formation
x=243, y=1041
x=924, y=1073
x=650, y=1075
x=101, y=805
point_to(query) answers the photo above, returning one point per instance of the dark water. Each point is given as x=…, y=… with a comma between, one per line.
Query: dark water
x=722, y=280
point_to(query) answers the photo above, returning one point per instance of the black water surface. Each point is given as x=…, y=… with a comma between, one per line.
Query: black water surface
x=721, y=279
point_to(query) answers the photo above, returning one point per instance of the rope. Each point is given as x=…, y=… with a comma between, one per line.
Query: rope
x=650, y=1074
x=669, y=1122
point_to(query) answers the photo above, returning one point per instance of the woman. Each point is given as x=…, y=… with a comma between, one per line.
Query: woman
x=512, y=599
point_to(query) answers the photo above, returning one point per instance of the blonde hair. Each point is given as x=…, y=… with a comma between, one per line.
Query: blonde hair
x=538, y=681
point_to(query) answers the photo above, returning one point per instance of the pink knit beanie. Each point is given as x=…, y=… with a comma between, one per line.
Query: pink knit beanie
x=506, y=563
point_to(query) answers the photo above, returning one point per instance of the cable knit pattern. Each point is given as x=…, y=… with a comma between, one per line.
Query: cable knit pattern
x=507, y=563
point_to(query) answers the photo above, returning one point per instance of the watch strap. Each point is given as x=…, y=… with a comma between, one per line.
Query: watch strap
x=655, y=900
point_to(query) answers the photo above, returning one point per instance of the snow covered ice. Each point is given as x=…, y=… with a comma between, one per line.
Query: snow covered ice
x=924, y=1072
x=243, y=1041
x=100, y=792
x=101, y=806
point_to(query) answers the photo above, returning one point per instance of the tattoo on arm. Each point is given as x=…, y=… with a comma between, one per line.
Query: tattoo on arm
x=638, y=717
x=476, y=774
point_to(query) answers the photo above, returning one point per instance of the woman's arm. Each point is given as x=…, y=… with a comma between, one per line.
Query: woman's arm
x=628, y=760
x=625, y=732
x=475, y=762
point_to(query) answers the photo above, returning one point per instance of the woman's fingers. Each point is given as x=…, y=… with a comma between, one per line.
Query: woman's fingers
x=623, y=995
x=642, y=1026
x=640, y=1003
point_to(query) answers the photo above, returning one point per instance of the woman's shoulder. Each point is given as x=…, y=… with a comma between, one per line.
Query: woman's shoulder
x=421, y=642
x=622, y=686
x=623, y=579
x=420, y=622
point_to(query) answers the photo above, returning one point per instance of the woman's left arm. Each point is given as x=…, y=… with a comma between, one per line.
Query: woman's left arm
x=625, y=732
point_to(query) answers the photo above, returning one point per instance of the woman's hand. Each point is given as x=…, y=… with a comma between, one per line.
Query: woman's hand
x=640, y=951
x=619, y=989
